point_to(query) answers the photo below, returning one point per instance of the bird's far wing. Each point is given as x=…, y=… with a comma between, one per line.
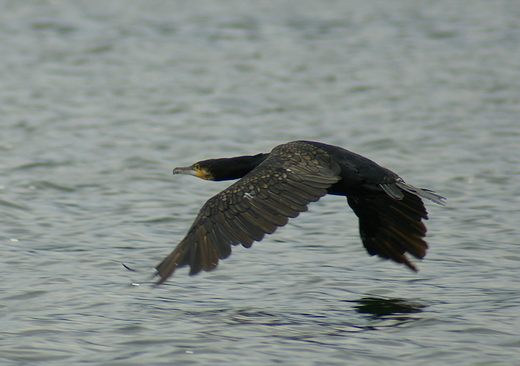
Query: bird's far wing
x=278, y=189
x=392, y=227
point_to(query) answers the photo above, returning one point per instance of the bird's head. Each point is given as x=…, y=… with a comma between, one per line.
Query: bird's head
x=222, y=169
x=201, y=169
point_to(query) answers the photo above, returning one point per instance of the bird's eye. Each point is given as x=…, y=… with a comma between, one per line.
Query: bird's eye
x=196, y=166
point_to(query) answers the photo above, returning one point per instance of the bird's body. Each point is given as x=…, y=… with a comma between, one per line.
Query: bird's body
x=277, y=186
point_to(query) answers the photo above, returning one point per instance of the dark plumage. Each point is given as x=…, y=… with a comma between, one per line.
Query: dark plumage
x=277, y=186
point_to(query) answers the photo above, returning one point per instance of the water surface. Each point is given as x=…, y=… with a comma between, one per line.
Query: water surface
x=99, y=101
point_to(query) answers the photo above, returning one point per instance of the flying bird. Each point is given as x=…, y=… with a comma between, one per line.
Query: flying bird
x=276, y=186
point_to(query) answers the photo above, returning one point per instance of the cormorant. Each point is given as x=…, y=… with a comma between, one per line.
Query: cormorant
x=277, y=186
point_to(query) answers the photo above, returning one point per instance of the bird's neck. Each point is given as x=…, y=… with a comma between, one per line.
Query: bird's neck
x=237, y=167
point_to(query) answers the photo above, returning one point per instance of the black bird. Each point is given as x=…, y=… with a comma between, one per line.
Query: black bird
x=277, y=186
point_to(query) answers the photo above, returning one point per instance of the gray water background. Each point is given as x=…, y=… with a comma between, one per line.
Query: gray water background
x=100, y=100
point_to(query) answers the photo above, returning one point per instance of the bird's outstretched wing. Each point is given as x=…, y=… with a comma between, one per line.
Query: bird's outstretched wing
x=391, y=227
x=264, y=199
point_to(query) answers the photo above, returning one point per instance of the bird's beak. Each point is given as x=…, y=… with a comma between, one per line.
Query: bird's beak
x=189, y=170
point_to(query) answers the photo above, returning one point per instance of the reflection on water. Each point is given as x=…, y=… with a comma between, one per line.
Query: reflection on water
x=378, y=307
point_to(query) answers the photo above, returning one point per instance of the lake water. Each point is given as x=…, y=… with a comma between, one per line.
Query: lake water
x=100, y=100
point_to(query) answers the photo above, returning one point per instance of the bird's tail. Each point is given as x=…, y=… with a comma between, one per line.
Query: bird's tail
x=395, y=190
